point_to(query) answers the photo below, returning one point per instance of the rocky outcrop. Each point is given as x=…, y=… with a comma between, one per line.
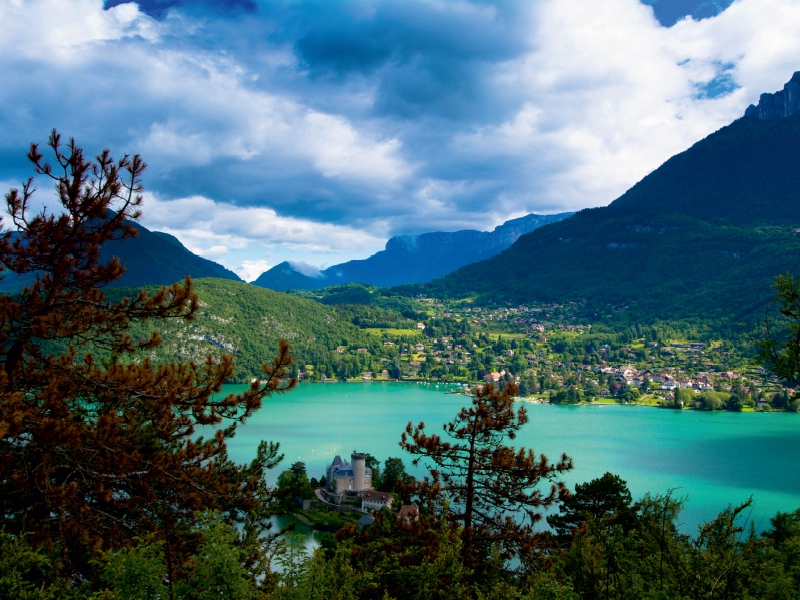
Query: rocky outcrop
x=781, y=104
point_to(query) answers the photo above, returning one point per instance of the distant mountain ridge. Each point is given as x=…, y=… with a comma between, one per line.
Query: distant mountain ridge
x=411, y=258
x=704, y=234
x=158, y=258
x=151, y=258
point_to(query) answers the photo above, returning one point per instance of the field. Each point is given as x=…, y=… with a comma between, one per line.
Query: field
x=390, y=331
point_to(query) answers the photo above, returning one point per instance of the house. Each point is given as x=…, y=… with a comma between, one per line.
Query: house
x=374, y=500
x=362, y=350
x=366, y=376
x=388, y=343
x=703, y=384
x=384, y=373
x=420, y=325
x=408, y=513
x=419, y=347
x=341, y=349
x=495, y=377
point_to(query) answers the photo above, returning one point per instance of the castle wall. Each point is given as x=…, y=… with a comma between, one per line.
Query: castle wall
x=358, y=461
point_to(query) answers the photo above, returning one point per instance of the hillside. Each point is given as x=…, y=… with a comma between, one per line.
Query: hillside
x=247, y=321
x=411, y=259
x=704, y=234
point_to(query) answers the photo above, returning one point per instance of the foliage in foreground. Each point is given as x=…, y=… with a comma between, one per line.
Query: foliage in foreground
x=97, y=454
x=605, y=546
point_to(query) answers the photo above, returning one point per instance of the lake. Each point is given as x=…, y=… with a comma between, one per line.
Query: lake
x=715, y=459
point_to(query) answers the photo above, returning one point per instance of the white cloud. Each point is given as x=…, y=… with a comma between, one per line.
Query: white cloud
x=251, y=269
x=59, y=31
x=181, y=103
x=610, y=94
x=306, y=269
x=213, y=229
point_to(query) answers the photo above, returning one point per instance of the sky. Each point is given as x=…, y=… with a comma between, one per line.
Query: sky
x=314, y=131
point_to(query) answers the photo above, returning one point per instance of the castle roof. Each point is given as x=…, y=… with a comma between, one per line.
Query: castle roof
x=376, y=496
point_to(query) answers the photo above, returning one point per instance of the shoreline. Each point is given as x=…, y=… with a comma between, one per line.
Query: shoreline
x=466, y=394
x=639, y=405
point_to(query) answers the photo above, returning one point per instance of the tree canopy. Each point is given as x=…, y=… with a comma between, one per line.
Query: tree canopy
x=94, y=454
x=488, y=484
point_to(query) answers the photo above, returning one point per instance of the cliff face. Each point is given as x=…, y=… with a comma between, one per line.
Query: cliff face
x=412, y=258
x=781, y=104
x=470, y=241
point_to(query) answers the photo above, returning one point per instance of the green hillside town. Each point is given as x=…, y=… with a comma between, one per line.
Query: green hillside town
x=368, y=300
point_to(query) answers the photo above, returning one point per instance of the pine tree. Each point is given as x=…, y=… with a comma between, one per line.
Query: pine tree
x=94, y=453
x=489, y=485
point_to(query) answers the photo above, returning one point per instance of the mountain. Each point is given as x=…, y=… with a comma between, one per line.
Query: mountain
x=151, y=258
x=411, y=258
x=154, y=257
x=704, y=234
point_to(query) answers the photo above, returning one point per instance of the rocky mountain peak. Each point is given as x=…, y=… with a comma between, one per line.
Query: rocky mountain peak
x=782, y=103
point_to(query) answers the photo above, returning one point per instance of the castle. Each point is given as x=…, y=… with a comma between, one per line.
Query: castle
x=354, y=477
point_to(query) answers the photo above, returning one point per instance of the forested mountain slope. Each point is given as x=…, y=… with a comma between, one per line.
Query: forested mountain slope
x=704, y=233
x=247, y=321
x=411, y=258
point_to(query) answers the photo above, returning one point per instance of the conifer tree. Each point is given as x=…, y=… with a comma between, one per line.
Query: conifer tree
x=491, y=487
x=94, y=453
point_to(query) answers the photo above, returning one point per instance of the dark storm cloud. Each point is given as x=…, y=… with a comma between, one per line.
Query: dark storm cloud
x=355, y=120
x=423, y=59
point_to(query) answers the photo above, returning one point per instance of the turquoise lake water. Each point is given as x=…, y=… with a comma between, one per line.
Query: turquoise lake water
x=715, y=459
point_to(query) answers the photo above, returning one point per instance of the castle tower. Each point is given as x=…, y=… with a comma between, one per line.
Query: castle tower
x=358, y=461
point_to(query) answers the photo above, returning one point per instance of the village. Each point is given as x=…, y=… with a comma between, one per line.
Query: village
x=555, y=356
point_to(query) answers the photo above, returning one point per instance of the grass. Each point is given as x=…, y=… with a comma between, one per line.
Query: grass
x=493, y=333
x=606, y=401
x=392, y=331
